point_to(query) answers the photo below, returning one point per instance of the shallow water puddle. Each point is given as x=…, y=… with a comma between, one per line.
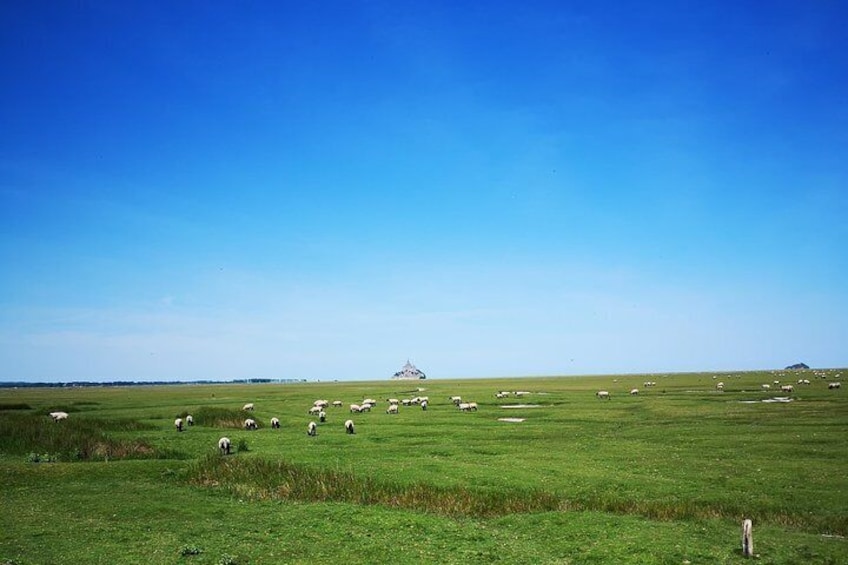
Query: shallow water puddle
x=768, y=400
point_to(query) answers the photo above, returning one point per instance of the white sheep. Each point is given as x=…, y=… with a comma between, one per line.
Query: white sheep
x=720, y=386
x=337, y=404
x=456, y=400
x=603, y=394
x=314, y=410
x=634, y=391
x=787, y=388
x=189, y=420
x=393, y=401
x=248, y=406
x=312, y=429
x=322, y=416
x=275, y=423
x=424, y=405
x=348, y=425
x=765, y=386
x=250, y=424
x=59, y=416
x=224, y=445
x=355, y=408
x=178, y=423
x=392, y=409
x=832, y=386
x=501, y=394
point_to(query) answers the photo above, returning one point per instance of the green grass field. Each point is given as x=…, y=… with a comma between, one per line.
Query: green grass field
x=665, y=476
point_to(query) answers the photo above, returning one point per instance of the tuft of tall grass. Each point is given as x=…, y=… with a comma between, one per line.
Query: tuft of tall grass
x=214, y=416
x=261, y=479
x=74, y=439
x=15, y=406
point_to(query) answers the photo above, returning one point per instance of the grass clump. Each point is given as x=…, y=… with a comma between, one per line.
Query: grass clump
x=15, y=406
x=74, y=439
x=214, y=416
x=188, y=550
x=261, y=479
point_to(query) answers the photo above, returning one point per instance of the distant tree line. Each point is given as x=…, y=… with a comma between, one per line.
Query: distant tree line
x=24, y=384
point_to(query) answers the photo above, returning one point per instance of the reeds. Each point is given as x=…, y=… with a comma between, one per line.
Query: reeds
x=214, y=416
x=74, y=439
x=261, y=479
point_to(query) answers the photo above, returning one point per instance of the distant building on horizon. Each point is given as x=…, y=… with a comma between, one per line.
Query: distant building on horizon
x=409, y=372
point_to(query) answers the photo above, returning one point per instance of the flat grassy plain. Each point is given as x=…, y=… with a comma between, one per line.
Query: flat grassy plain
x=665, y=476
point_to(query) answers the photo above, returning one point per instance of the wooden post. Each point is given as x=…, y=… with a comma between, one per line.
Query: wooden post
x=747, y=538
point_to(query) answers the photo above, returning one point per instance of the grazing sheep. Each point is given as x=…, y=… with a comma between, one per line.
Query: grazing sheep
x=349, y=426
x=337, y=404
x=275, y=423
x=248, y=406
x=312, y=429
x=178, y=423
x=393, y=401
x=224, y=445
x=765, y=386
x=59, y=416
x=322, y=416
x=456, y=400
x=250, y=424
x=832, y=386
x=747, y=538
x=370, y=401
x=392, y=409
x=634, y=391
x=314, y=410
x=603, y=394
x=720, y=386
x=366, y=407
x=189, y=420
x=787, y=388
x=424, y=405
x=321, y=403
x=501, y=394
x=355, y=408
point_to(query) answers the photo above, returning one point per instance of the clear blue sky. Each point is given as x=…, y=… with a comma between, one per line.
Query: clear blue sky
x=323, y=190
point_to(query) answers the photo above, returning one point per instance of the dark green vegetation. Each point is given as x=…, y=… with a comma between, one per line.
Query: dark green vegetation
x=665, y=476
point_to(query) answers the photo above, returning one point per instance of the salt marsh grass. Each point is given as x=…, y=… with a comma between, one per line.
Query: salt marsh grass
x=662, y=477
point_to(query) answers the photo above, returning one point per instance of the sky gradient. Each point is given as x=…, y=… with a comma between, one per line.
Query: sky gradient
x=323, y=190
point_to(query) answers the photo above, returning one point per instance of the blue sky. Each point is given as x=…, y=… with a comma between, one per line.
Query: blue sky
x=324, y=190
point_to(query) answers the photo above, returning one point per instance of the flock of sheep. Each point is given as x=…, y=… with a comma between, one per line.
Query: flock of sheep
x=319, y=407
